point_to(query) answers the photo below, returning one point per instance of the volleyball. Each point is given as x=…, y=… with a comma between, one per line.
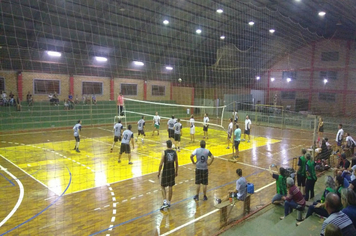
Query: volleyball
x=179, y=80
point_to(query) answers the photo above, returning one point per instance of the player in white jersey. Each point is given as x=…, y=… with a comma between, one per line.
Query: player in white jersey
x=127, y=137
x=118, y=129
x=235, y=116
x=141, y=128
x=77, y=128
x=192, y=128
x=156, y=123
x=177, y=134
x=247, y=129
x=229, y=133
x=206, y=125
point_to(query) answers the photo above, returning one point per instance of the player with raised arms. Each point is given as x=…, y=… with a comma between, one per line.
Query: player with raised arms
x=156, y=123
x=127, y=137
x=118, y=129
x=77, y=128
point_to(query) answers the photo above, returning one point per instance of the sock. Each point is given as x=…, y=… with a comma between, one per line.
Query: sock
x=164, y=201
x=77, y=145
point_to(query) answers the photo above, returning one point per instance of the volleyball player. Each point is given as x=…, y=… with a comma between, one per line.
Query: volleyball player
x=206, y=125
x=156, y=123
x=77, y=128
x=177, y=134
x=127, y=137
x=169, y=161
x=141, y=128
x=247, y=129
x=118, y=129
x=235, y=115
x=192, y=128
x=229, y=133
x=170, y=128
x=237, y=138
x=201, y=171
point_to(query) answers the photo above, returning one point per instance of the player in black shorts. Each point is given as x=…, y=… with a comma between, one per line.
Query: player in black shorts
x=169, y=161
x=127, y=137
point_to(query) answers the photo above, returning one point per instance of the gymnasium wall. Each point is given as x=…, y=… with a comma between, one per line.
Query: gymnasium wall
x=78, y=81
x=10, y=81
x=309, y=84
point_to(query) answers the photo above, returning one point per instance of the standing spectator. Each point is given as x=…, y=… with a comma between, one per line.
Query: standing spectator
x=301, y=173
x=281, y=184
x=311, y=178
x=337, y=217
x=120, y=104
x=201, y=172
x=169, y=161
x=339, y=137
x=240, y=191
x=294, y=198
x=350, y=143
x=247, y=128
x=348, y=200
x=29, y=99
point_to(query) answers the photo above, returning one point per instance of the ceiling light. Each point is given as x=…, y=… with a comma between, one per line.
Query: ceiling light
x=54, y=54
x=272, y=31
x=138, y=63
x=219, y=11
x=101, y=59
x=272, y=79
x=289, y=80
x=169, y=68
x=321, y=13
x=166, y=22
x=198, y=31
x=251, y=23
x=258, y=78
x=325, y=81
x=222, y=37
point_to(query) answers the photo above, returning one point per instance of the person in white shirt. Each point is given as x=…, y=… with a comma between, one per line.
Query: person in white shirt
x=339, y=137
x=328, y=145
x=77, y=129
x=350, y=143
x=118, y=129
x=156, y=123
x=229, y=133
x=206, y=125
x=235, y=116
x=247, y=128
x=192, y=128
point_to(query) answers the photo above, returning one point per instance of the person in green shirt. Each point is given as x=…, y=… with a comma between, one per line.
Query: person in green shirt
x=301, y=174
x=311, y=177
x=281, y=184
x=237, y=138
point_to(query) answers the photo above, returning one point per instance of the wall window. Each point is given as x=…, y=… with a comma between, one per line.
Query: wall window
x=43, y=86
x=92, y=88
x=328, y=97
x=129, y=89
x=288, y=94
x=328, y=75
x=2, y=84
x=330, y=56
x=289, y=74
x=158, y=90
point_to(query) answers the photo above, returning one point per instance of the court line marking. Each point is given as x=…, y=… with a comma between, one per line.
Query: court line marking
x=18, y=203
x=7, y=179
x=29, y=174
x=207, y=214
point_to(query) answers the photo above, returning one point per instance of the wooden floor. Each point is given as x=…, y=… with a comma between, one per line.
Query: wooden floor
x=46, y=188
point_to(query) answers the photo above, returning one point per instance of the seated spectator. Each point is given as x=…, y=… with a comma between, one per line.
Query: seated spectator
x=332, y=230
x=348, y=200
x=350, y=143
x=339, y=181
x=353, y=185
x=93, y=99
x=337, y=217
x=323, y=152
x=328, y=145
x=343, y=173
x=29, y=99
x=311, y=178
x=4, y=98
x=353, y=173
x=76, y=99
x=281, y=185
x=318, y=207
x=70, y=101
x=343, y=164
x=294, y=198
x=241, y=188
x=11, y=99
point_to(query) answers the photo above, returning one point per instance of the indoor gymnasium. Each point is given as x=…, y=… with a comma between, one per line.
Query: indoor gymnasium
x=177, y=117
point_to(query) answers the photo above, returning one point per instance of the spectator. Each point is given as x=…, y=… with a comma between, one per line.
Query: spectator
x=332, y=230
x=66, y=105
x=350, y=143
x=294, y=198
x=29, y=99
x=18, y=104
x=76, y=99
x=339, y=137
x=348, y=200
x=353, y=185
x=318, y=206
x=328, y=145
x=353, y=174
x=337, y=217
x=339, y=180
x=120, y=104
x=70, y=101
x=11, y=99
x=323, y=152
x=241, y=188
x=301, y=174
x=281, y=185
x=346, y=175
x=311, y=178
x=343, y=164
x=4, y=98
x=93, y=99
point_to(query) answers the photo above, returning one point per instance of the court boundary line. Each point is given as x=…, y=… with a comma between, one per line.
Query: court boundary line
x=38, y=181
x=19, y=201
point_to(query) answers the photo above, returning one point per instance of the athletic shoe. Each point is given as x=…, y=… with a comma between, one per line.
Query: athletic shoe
x=77, y=150
x=142, y=140
x=196, y=198
x=130, y=163
x=119, y=161
x=228, y=148
x=111, y=150
x=168, y=205
x=205, y=198
x=165, y=205
x=243, y=140
x=248, y=141
x=218, y=200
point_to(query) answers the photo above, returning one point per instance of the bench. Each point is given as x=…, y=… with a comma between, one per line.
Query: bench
x=223, y=208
